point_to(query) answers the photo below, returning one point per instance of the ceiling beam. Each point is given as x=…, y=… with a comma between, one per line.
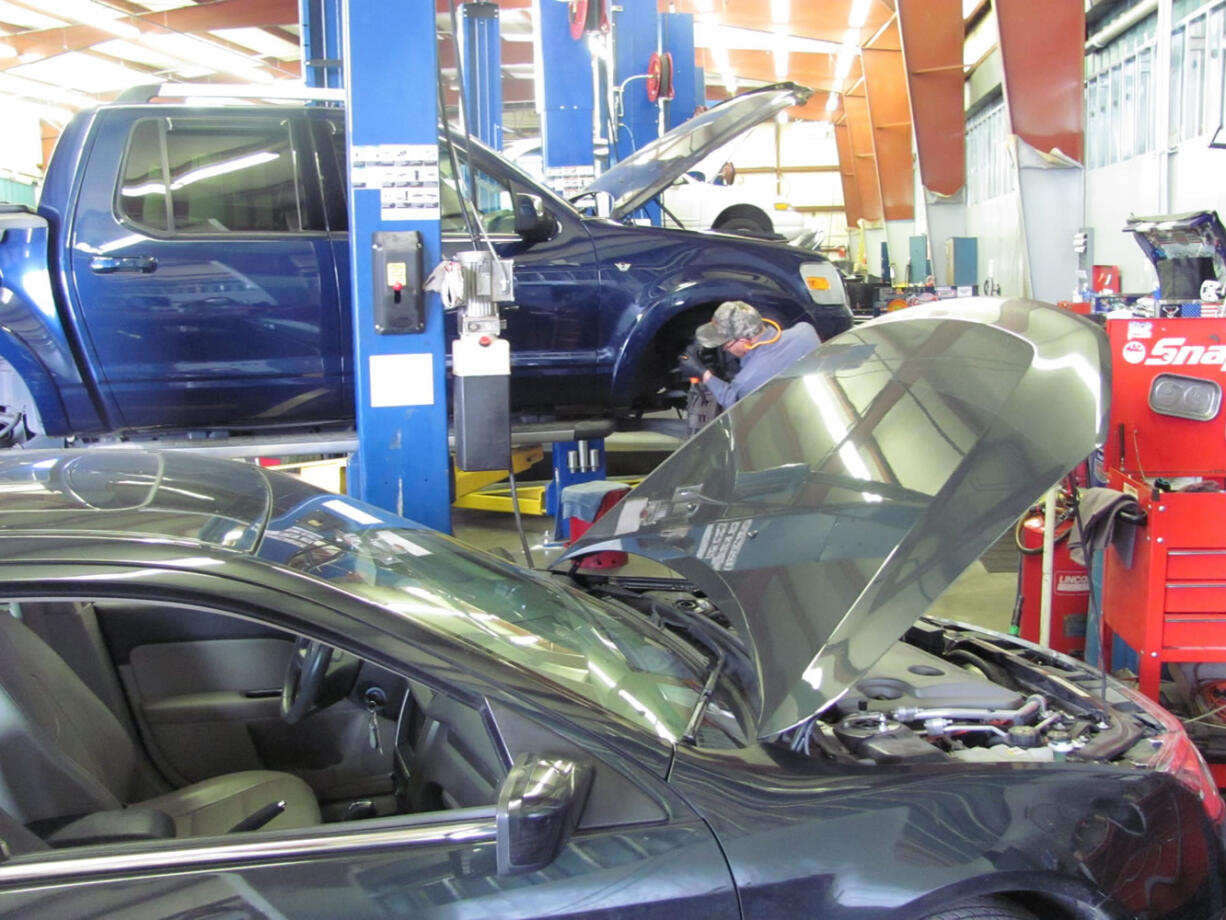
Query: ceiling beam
x=847, y=172
x=218, y=14
x=864, y=156
x=931, y=32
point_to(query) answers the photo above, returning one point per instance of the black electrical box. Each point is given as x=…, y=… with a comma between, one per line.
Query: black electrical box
x=396, y=267
x=482, y=422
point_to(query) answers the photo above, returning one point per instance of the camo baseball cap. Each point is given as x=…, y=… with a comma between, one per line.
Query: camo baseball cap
x=733, y=319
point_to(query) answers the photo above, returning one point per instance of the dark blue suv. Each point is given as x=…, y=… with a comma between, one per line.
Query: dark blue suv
x=199, y=267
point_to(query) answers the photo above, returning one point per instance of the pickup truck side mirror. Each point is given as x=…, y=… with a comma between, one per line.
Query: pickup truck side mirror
x=532, y=222
x=538, y=807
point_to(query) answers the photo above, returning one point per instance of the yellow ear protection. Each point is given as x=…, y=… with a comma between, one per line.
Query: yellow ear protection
x=772, y=339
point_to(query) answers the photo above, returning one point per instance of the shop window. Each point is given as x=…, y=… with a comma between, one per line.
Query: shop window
x=1173, y=127
x=1194, y=78
x=1215, y=68
x=1145, y=100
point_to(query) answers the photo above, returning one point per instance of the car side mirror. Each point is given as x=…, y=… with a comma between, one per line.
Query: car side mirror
x=532, y=222
x=538, y=807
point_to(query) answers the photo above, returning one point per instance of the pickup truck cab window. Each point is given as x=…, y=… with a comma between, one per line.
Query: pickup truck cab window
x=191, y=176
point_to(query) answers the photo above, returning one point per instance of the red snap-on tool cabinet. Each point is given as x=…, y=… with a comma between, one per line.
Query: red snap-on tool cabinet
x=1167, y=447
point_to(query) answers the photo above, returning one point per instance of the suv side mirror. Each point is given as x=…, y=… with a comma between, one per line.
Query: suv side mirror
x=532, y=222
x=538, y=807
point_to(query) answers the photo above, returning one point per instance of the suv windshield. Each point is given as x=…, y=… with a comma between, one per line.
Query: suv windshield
x=604, y=652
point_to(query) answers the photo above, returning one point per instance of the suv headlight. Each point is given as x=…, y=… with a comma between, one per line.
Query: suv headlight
x=822, y=282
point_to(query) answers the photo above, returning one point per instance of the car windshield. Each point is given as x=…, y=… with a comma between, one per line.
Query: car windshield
x=604, y=652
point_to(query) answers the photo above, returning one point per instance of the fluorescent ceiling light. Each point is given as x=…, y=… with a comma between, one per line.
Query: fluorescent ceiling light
x=85, y=72
x=198, y=51
x=781, y=11
x=832, y=102
x=276, y=47
x=704, y=6
x=13, y=85
x=7, y=51
x=93, y=14
x=25, y=18
x=711, y=35
x=54, y=114
x=859, y=13
x=842, y=66
x=781, y=53
x=781, y=65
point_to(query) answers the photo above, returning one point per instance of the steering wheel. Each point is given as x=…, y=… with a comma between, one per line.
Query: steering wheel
x=304, y=675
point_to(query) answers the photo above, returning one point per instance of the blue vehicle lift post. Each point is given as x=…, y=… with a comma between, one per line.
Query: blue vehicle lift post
x=390, y=57
x=321, y=42
x=636, y=36
x=677, y=38
x=568, y=159
x=565, y=82
x=480, y=54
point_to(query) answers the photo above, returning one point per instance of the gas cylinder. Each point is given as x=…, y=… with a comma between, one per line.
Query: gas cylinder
x=1070, y=588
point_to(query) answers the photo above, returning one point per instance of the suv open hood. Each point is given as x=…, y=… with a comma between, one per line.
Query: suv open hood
x=651, y=169
x=1186, y=249
x=824, y=512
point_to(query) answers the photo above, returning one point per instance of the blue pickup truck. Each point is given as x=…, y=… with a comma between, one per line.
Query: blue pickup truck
x=187, y=269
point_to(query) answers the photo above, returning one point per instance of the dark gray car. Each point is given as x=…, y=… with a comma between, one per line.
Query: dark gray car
x=226, y=693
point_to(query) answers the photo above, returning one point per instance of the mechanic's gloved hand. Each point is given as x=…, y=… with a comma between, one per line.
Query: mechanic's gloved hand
x=691, y=366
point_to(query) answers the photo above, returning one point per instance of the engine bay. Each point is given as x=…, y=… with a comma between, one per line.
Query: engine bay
x=950, y=692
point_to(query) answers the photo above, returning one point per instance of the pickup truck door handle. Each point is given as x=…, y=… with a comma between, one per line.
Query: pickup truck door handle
x=106, y=265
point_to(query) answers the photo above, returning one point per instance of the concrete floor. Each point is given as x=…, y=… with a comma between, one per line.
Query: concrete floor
x=978, y=596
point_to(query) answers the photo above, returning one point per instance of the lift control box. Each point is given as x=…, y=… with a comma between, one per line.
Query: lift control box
x=399, y=299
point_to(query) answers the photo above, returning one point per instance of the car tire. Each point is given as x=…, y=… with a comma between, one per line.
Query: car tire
x=744, y=225
x=982, y=909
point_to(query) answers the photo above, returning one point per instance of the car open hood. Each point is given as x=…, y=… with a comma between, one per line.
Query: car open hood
x=824, y=512
x=651, y=169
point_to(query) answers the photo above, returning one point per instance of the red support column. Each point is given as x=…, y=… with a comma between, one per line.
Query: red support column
x=855, y=105
x=931, y=41
x=889, y=112
x=847, y=171
x=1042, y=54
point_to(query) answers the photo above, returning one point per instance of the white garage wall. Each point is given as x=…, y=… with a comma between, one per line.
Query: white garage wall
x=1107, y=209
x=20, y=143
x=800, y=144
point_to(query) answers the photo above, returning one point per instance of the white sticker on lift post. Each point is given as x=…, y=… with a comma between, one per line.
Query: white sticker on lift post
x=405, y=175
x=1140, y=331
x=401, y=380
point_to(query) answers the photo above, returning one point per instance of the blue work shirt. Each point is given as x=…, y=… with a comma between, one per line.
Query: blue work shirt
x=764, y=362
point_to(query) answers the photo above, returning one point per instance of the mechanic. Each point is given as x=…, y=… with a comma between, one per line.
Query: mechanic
x=761, y=346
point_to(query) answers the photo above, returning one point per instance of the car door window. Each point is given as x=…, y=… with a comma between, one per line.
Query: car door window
x=191, y=176
x=493, y=196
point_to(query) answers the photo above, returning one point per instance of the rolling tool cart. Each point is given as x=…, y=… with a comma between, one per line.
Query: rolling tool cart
x=1165, y=595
